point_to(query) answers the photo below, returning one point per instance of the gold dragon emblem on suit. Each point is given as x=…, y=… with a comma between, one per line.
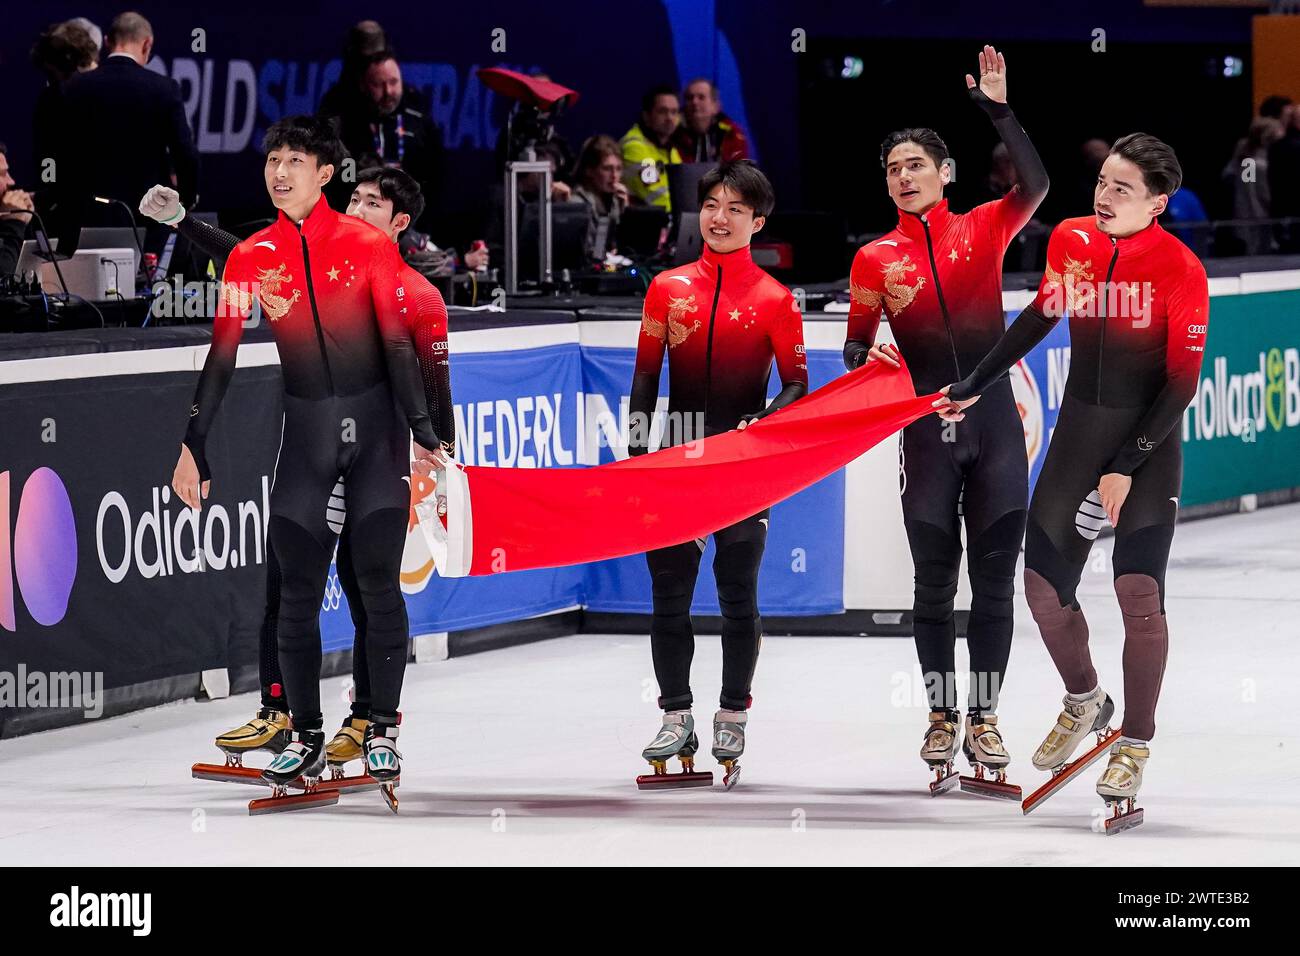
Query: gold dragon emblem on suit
x=674, y=331
x=898, y=295
x=239, y=299
x=269, y=282
x=1072, y=278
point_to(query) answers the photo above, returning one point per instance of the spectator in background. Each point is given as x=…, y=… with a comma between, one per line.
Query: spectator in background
x=15, y=212
x=707, y=135
x=388, y=125
x=1284, y=181
x=1246, y=180
x=1186, y=218
x=93, y=31
x=599, y=178
x=1079, y=185
x=529, y=185
x=648, y=150
x=1025, y=250
x=64, y=50
x=1278, y=108
x=123, y=128
x=558, y=156
x=1002, y=175
x=364, y=40
x=555, y=155
x=347, y=98
x=60, y=53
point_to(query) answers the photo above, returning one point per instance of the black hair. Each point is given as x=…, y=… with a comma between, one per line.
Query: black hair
x=743, y=177
x=1160, y=169
x=927, y=139
x=308, y=134
x=63, y=49
x=364, y=38
x=379, y=56
x=397, y=186
x=652, y=94
x=1273, y=106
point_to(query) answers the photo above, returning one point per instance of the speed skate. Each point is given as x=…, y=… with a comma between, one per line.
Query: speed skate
x=1082, y=715
x=988, y=758
x=676, y=739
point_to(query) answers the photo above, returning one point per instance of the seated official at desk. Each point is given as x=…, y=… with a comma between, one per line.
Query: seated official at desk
x=15, y=212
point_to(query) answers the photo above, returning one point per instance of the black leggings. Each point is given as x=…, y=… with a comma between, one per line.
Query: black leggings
x=272, y=681
x=1066, y=514
x=361, y=438
x=976, y=470
x=673, y=572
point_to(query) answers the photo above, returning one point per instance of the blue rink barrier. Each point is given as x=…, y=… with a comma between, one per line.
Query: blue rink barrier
x=565, y=405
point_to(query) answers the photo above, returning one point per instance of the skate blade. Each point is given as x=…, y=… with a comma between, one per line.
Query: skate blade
x=1068, y=773
x=358, y=784
x=223, y=773
x=986, y=787
x=941, y=785
x=387, y=791
x=674, y=781
x=298, y=801
x=732, y=775
x=1124, y=821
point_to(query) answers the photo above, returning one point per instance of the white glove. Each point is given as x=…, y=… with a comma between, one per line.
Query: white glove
x=163, y=204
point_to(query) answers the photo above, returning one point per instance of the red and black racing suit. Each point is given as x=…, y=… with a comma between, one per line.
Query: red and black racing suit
x=428, y=327
x=722, y=320
x=332, y=290
x=938, y=277
x=1139, y=312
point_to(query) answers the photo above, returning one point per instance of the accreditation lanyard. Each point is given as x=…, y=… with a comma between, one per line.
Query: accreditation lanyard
x=401, y=139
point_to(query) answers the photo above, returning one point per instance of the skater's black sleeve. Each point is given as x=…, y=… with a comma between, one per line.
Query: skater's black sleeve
x=208, y=239
x=1019, y=204
x=641, y=408
x=387, y=293
x=1188, y=322
x=791, y=393
x=433, y=352
x=866, y=306
x=1029, y=328
x=219, y=367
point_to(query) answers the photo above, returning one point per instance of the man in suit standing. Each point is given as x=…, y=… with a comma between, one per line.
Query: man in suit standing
x=124, y=129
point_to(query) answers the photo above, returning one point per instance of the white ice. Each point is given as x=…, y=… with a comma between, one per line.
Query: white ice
x=527, y=755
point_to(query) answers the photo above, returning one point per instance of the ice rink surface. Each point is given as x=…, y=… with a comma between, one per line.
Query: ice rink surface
x=527, y=755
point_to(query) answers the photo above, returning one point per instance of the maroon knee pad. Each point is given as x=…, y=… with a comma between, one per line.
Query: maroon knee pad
x=1146, y=648
x=1065, y=632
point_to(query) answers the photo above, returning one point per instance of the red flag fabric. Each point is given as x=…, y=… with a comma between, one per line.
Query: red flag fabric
x=513, y=519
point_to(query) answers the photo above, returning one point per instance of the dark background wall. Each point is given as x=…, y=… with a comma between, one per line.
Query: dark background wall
x=813, y=132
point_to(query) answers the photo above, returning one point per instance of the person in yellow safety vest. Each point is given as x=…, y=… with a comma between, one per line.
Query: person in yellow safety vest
x=648, y=150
